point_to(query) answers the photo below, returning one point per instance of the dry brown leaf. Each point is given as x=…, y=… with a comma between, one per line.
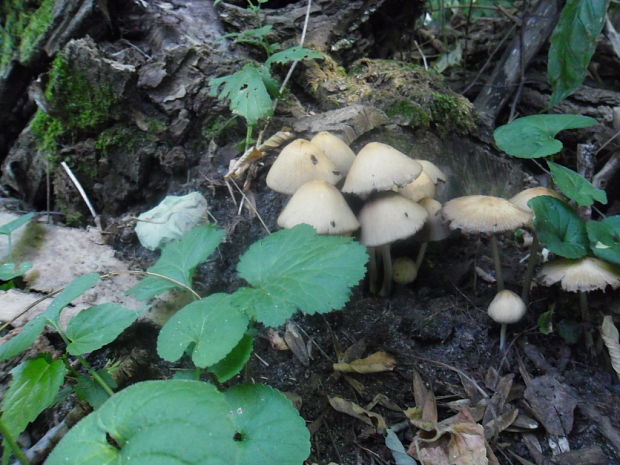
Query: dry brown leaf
x=610, y=336
x=351, y=408
x=354, y=351
x=467, y=445
x=375, y=363
x=424, y=399
x=276, y=341
x=495, y=426
x=296, y=343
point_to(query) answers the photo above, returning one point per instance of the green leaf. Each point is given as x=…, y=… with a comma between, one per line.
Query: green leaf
x=213, y=325
x=247, y=90
x=190, y=422
x=295, y=53
x=257, y=33
x=97, y=326
x=13, y=270
x=17, y=223
x=573, y=43
x=34, y=327
x=178, y=261
x=297, y=268
x=559, y=227
x=604, y=238
x=545, y=322
x=33, y=388
x=234, y=362
x=575, y=186
x=88, y=390
x=534, y=136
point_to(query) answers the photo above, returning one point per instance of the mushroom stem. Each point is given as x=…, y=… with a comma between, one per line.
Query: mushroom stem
x=529, y=272
x=386, y=256
x=373, y=277
x=585, y=316
x=498, y=265
x=502, y=337
x=421, y=253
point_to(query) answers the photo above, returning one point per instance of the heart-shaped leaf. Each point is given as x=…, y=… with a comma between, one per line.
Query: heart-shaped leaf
x=188, y=422
x=13, y=270
x=34, y=327
x=178, y=261
x=17, y=223
x=575, y=186
x=233, y=363
x=605, y=238
x=534, y=136
x=297, y=268
x=33, y=387
x=97, y=326
x=559, y=227
x=213, y=324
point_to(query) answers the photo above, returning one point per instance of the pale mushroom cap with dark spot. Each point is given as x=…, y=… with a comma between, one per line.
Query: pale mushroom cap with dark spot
x=379, y=167
x=506, y=307
x=483, y=214
x=390, y=218
x=320, y=205
x=433, y=171
x=300, y=162
x=421, y=188
x=523, y=197
x=581, y=275
x=336, y=150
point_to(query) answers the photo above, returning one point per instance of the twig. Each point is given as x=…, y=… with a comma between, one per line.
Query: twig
x=421, y=54
x=610, y=168
x=456, y=370
x=245, y=197
x=82, y=192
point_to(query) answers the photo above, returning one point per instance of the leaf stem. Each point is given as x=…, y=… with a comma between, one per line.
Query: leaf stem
x=12, y=443
x=96, y=376
x=157, y=275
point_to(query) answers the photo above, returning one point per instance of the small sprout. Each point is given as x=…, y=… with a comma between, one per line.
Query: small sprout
x=506, y=308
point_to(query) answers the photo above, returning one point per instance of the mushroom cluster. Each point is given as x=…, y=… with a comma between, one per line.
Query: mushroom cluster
x=396, y=189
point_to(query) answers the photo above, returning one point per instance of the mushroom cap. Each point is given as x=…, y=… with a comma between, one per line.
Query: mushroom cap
x=506, y=307
x=422, y=187
x=389, y=218
x=380, y=167
x=433, y=171
x=320, y=205
x=523, y=197
x=483, y=214
x=435, y=228
x=300, y=162
x=336, y=150
x=404, y=270
x=581, y=275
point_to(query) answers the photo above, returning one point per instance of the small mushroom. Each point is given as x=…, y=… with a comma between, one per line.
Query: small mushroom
x=404, y=270
x=485, y=214
x=320, y=205
x=421, y=188
x=385, y=220
x=379, y=167
x=435, y=229
x=582, y=275
x=506, y=308
x=521, y=200
x=300, y=162
x=336, y=150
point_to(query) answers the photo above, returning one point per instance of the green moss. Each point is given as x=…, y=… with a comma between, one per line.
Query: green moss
x=30, y=242
x=215, y=126
x=414, y=113
x=451, y=112
x=117, y=136
x=82, y=107
x=155, y=126
x=22, y=22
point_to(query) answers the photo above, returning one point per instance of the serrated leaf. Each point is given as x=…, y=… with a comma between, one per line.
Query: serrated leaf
x=575, y=186
x=573, y=43
x=34, y=327
x=177, y=421
x=88, y=390
x=249, y=34
x=17, y=223
x=604, y=238
x=534, y=136
x=13, y=270
x=97, y=326
x=247, y=90
x=33, y=387
x=559, y=228
x=298, y=269
x=295, y=53
x=234, y=362
x=214, y=325
x=178, y=261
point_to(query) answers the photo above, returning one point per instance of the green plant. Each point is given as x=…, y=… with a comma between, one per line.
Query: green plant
x=10, y=269
x=183, y=420
x=251, y=90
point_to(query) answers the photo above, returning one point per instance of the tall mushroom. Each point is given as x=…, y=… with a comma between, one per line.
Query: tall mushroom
x=384, y=220
x=485, y=214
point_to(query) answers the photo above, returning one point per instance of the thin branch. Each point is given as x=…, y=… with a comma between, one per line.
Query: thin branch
x=82, y=192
